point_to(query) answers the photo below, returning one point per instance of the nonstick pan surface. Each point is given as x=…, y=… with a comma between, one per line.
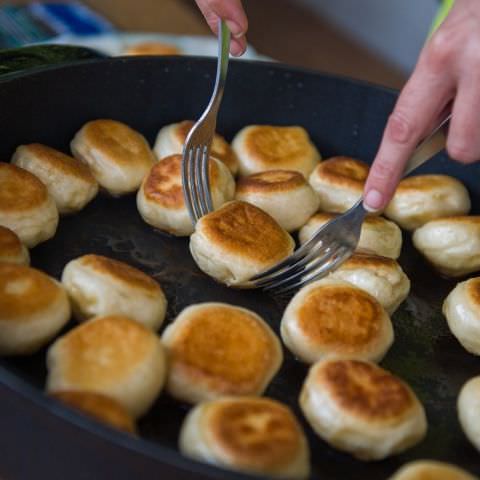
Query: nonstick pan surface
x=40, y=437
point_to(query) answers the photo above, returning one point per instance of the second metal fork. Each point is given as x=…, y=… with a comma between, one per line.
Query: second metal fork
x=335, y=241
x=196, y=151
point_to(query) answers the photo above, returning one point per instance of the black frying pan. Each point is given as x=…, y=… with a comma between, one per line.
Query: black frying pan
x=40, y=438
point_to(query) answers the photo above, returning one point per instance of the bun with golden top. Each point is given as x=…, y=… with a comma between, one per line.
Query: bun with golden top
x=113, y=356
x=171, y=138
x=216, y=349
x=118, y=156
x=251, y=435
x=237, y=242
x=69, y=181
x=266, y=147
x=339, y=183
x=26, y=206
x=362, y=409
x=99, y=285
x=33, y=309
x=283, y=194
x=160, y=199
x=421, y=198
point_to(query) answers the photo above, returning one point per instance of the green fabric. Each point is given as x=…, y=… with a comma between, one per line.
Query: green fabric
x=442, y=14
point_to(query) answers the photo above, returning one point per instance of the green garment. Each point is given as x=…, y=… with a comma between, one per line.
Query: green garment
x=442, y=13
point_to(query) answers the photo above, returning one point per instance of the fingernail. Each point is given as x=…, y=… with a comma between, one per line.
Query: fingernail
x=236, y=49
x=373, y=201
x=235, y=29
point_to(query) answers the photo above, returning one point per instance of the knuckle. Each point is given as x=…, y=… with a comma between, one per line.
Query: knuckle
x=439, y=51
x=401, y=127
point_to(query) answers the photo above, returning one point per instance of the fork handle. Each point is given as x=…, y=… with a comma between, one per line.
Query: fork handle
x=433, y=144
x=224, y=37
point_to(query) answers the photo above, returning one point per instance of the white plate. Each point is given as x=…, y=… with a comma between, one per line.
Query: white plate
x=114, y=44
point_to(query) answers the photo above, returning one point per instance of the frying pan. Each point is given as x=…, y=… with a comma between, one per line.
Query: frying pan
x=40, y=437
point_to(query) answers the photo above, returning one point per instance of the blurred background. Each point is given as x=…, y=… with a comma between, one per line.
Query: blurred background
x=374, y=40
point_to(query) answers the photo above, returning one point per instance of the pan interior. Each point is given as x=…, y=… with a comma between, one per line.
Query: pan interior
x=343, y=117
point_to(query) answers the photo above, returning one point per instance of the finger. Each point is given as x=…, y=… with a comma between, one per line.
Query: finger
x=238, y=46
x=229, y=10
x=463, y=143
x=420, y=102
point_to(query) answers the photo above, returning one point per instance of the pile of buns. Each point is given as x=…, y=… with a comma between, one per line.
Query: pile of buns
x=267, y=184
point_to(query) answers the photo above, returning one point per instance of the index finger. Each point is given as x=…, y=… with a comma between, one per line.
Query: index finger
x=419, y=104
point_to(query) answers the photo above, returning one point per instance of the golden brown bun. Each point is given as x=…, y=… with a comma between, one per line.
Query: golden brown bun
x=218, y=349
x=378, y=236
x=283, y=194
x=118, y=156
x=362, y=409
x=381, y=277
x=462, y=311
x=253, y=435
x=69, y=182
x=431, y=470
x=152, y=48
x=12, y=250
x=100, y=407
x=112, y=355
x=33, y=309
x=237, y=242
x=339, y=183
x=171, y=138
x=422, y=198
x=99, y=285
x=330, y=318
x=451, y=244
x=25, y=205
x=265, y=147
x=160, y=199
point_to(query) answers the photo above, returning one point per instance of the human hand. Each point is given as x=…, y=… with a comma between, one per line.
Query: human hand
x=234, y=15
x=447, y=73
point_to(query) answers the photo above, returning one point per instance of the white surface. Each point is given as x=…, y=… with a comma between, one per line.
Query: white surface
x=394, y=29
x=114, y=44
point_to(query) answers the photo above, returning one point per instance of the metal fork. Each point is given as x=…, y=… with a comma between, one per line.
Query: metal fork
x=196, y=151
x=335, y=241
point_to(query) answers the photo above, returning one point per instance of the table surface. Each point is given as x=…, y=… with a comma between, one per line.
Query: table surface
x=166, y=16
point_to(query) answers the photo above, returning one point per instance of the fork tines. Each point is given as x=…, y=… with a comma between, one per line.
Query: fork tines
x=196, y=179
